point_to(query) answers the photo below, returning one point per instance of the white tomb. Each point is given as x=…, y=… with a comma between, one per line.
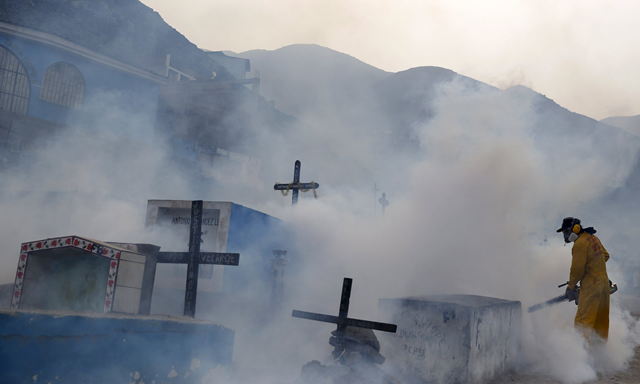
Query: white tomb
x=171, y=219
x=450, y=338
x=73, y=273
x=226, y=227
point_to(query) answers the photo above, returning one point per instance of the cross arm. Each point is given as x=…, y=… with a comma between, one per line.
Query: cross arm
x=284, y=187
x=346, y=321
x=203, y=258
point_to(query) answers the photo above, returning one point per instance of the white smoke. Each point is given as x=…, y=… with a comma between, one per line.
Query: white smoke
x=477, y=215
x=469, y=217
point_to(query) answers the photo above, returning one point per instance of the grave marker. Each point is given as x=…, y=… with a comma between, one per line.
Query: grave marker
x=227, y=227
x=194, y=258
x=171, y=221
x=342, y=320
x=296, y=185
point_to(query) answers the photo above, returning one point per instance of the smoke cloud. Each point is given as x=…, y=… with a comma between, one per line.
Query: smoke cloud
x=474, y=213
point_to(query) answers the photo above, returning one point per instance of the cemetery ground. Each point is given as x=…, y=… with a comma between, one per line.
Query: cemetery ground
x=631, y=375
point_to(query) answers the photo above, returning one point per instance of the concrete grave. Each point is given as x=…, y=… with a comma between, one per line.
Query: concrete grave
x=450, y=338
x=73, y=273
x=226, y=227
x=171, y=220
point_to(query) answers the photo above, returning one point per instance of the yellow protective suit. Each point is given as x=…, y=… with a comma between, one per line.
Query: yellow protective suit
x=588, y=267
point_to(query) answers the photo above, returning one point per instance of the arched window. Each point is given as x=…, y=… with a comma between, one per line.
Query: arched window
x=63, y=84
x=14, y=83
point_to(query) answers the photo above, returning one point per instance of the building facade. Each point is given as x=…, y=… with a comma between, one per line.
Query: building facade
x=50, y=78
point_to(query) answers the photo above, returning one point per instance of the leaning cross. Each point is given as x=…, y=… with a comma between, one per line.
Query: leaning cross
x=342, y=320
x=296, y=185
x=194, y=258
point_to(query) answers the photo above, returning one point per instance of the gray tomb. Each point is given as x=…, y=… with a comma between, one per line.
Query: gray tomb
x=450, y=338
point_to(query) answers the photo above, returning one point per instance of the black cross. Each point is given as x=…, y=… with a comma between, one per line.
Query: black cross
x=296, y=185
x=342, y=320
x=194, y=258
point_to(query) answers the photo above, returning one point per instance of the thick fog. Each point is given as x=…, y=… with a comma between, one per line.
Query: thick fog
x=474, y=205
x=477, y=215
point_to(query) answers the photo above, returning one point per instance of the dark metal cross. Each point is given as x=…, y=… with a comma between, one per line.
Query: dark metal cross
x=194, y=258
x=296, y=185
x=342, y=320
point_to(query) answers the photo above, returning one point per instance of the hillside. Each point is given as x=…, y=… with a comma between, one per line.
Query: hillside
x=338, y=93
x=376, y=121
x=630, y=124
x=312, y=82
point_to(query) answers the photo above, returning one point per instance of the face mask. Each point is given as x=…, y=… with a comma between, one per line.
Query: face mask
x=570, y=237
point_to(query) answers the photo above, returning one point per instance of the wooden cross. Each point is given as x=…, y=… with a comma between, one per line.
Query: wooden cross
x=194, y=258
x=342, y=320
x=296, y=185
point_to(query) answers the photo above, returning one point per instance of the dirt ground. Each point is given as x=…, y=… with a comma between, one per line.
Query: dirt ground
x=629, y=376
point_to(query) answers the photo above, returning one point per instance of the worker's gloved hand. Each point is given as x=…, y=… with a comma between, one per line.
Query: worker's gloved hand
x=571, y=294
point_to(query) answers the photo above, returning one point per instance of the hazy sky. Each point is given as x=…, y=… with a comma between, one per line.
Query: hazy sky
x=582, y=54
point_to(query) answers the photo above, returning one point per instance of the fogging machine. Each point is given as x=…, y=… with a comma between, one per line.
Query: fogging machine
x=557, y=300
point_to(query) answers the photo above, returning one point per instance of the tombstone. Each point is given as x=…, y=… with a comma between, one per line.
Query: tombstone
x=450, y=338
x=226, y=227
x=73, y=273
x=195, y=258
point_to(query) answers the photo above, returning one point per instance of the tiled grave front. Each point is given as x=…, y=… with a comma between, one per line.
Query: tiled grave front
x=78, y=274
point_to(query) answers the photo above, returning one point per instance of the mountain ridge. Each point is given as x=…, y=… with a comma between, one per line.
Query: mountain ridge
x=354, y=102
x=630, y=124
